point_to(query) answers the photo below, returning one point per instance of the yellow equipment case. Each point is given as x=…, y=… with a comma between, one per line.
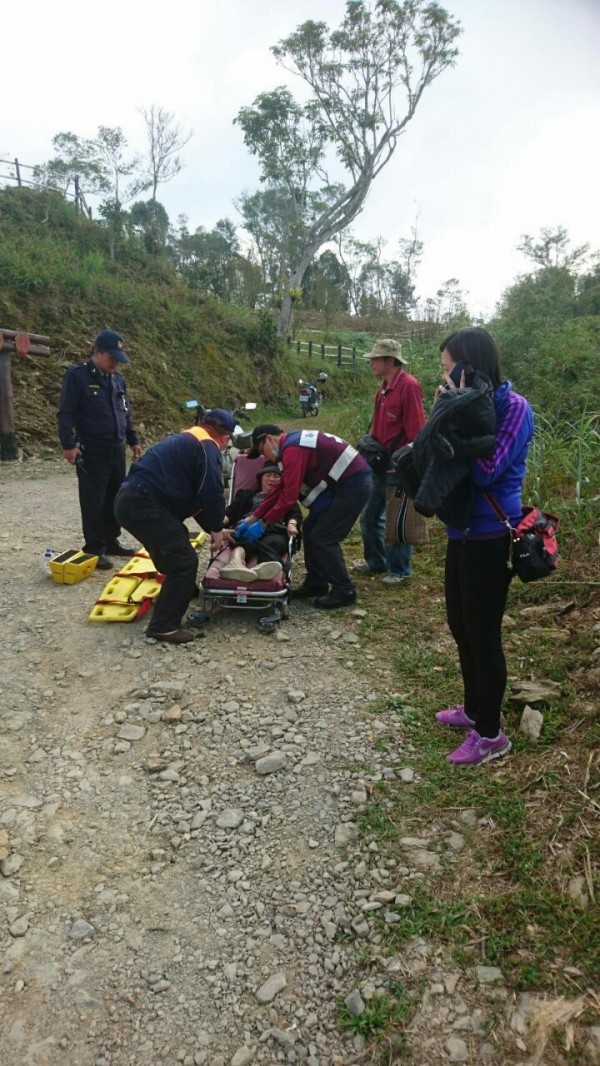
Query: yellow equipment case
x=72, y=566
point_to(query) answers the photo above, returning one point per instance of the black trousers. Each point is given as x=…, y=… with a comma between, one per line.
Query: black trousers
x=167, y=541
x=477, y=579
x=323, y=535
x=99, y=477
x=270, y=548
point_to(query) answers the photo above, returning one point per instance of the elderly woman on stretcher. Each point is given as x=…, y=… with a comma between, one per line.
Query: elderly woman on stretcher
x=259, y=560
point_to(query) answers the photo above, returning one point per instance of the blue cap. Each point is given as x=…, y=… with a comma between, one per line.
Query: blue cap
x=218, y=416
x=112, y=343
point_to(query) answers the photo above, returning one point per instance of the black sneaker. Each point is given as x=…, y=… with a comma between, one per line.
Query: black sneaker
x=303, y=592
x=335, y=598
x=115, y=548
x=104, y=563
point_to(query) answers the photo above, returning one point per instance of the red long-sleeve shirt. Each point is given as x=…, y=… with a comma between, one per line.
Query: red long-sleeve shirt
x=399, y=413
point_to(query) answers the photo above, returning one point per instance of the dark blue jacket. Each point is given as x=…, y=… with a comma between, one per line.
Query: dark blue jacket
x=93, y=408
x=185, y=474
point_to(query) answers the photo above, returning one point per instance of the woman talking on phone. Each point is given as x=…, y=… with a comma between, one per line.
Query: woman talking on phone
x=477, y=575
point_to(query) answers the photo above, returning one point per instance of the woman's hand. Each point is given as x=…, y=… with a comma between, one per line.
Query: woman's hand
x=216, y=539
x=292, y=528
x=449, y=386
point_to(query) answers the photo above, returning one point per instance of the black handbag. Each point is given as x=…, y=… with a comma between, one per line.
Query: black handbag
x=375, y=454
x=534, y=544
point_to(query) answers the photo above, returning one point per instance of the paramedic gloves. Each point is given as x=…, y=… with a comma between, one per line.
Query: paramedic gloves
x=249, y=532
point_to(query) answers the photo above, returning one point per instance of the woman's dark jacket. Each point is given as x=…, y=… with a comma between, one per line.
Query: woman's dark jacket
x=244, y=503
x=436, y=471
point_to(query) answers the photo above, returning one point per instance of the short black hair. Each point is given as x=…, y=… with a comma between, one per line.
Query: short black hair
x=475, y=347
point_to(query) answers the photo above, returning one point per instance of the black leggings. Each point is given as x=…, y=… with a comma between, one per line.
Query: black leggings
x=477, y=579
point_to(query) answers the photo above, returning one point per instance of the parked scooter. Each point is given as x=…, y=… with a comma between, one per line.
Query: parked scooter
x=232, y=450
x=311, y=396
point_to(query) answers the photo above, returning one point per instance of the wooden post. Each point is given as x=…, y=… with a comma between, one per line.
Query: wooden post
x=339, y=359
x=18, y=172
x=8, y=441
x=354, y=355
x=322, y=351
x=77, y=193
x=20, y=343
x=310, y=350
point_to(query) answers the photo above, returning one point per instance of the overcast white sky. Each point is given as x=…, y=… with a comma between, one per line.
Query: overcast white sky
x=505, y=143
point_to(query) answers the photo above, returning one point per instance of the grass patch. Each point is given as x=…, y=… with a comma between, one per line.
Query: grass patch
x=504, y=899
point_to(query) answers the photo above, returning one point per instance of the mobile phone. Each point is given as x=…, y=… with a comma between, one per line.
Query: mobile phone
x=456, y=373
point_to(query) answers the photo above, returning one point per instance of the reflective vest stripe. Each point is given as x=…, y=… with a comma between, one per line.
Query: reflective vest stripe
x=341, y=464
x=199, y=434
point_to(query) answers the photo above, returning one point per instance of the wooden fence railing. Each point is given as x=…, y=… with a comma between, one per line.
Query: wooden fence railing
x=343, y=355
x=16, y=175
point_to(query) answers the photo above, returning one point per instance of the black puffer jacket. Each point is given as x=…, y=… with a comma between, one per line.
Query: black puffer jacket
x=435, y=470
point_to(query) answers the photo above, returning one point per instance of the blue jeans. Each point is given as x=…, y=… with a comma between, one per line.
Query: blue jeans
x=379, y=555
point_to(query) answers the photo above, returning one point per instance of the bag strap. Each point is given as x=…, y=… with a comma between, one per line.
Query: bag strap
x=500, y=514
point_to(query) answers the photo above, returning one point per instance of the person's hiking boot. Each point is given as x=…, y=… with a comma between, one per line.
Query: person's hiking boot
x=395, y=579
x=116, y=548
x=268, y=570
x=456, y=717
x=304, y=591
x=364, y=568
x=104, y=563
x=234, y=572
x=175, y=636
x=336, y=598
x=476, y=750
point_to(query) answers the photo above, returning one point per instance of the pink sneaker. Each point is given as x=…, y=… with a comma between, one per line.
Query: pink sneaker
x=476, y=750
x=455, y=716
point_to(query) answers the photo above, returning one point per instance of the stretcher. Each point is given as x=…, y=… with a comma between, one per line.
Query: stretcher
x=270, y=598
x=130, y=593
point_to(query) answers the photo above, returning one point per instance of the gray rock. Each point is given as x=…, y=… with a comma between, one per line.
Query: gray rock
x=488, y=975
x=355, y=1004
x=271, y=988
x=230, y=818
x=576, y=890
x=19, y=928
x=243, y=1056
x=455, y=841
x=11, y=865
x=345, y=834
x=131, y=732
x=80, y=930
x=457, y=1050
x=31, y=802
x=591, y=1048
x=531, y=722
x=407, y=775
x=270, y=764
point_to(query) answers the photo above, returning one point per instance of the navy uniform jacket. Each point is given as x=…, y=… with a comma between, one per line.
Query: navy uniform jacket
x=186, y=475
x=92, y=409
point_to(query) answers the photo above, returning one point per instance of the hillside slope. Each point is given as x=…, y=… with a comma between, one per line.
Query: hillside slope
x=57, y=278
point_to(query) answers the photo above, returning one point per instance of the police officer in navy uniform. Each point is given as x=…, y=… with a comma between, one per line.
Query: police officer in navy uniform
x=94, y=421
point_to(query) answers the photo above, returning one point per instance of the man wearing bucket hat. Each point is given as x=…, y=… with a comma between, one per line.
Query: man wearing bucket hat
x=398, y=417
x=94, y=422
x=180, y=477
